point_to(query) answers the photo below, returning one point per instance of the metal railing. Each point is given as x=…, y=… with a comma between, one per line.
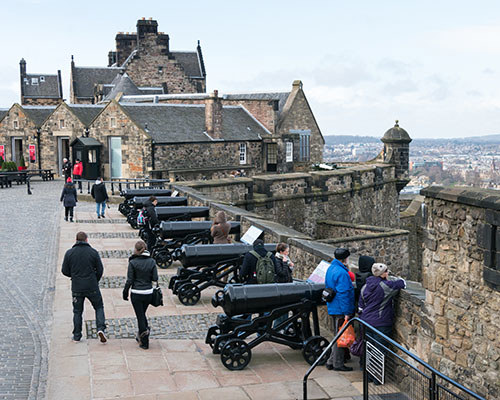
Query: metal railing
x=117, y=185
x=396, y=373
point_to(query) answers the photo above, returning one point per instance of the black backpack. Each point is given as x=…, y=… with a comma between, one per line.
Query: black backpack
x=265, y=268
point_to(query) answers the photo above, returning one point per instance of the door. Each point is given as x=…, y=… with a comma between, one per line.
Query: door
x=115, y=157
x=62, y=150
x=91, y=163
x=272, y=157
x=17, y=150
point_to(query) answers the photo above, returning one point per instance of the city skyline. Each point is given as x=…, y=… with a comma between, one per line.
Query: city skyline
x=432, y=66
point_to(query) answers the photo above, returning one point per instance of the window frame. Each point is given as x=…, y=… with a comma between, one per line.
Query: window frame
x=289, y=151
x=112, y=122
x=62, y=124
x=243, y=153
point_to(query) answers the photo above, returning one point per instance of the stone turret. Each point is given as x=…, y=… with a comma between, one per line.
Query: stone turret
x=397, y=151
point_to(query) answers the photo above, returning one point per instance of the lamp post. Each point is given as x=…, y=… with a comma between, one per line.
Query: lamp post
x=38, y=133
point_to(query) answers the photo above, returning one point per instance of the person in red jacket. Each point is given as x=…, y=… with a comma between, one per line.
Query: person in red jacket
x=77, y=173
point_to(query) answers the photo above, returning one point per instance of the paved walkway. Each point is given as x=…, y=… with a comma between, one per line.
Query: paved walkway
x=178, y=365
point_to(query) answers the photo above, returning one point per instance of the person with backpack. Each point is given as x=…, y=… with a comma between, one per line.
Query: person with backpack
x=151, y=220
x=259, y=265
x=100, y=195
x=365, y=271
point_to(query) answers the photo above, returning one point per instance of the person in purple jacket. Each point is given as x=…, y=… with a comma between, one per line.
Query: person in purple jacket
x=376, y=305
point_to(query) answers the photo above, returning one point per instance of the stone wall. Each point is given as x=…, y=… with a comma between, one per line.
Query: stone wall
x=226, y=190
x=144, y=69
x=462, y=307
x=411, y=220
x=136, y=145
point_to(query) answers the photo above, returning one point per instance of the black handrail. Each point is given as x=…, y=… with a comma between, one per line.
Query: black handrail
x=136, y=182
x=434, y=372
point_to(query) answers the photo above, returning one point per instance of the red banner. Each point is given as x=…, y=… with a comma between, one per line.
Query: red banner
x=2, y=151
x=32, y=153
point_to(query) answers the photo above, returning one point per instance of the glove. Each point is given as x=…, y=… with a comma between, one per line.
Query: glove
x=125, y=295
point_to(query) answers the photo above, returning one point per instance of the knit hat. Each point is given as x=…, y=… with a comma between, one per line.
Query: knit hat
x=379, y=268
x=365, y=263
x=69, y=180
x=341, y=254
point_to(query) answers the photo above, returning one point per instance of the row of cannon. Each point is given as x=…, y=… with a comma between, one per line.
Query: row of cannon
x=284, y=313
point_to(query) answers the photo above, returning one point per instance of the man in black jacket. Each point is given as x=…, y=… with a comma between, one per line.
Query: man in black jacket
x=100, y=195
x=83, y=265
x=248, y=270
x=153, y=220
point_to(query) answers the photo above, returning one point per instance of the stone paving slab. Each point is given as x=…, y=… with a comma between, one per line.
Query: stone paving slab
x=178, y=365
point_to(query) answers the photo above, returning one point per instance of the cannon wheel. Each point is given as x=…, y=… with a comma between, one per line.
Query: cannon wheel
x=163, y=259
x=212, y=333
x=189, y=294
x=123, y=209
x=313, y=347
x=235, y=355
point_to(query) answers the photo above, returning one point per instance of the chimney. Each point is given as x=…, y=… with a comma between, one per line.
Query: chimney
x=22, y=65
x=213, y=115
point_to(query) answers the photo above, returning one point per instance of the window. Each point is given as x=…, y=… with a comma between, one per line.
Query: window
x=16, y=124
x=34, y=81
x=112, y=122
x=243, y=153
x=305, y=154
x=272, y=153
x=61, y=124
x=42, y=79
x=289, y=151
x=92, y=156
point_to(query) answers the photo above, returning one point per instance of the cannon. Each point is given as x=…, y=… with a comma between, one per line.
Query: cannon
x=178, y=213
x=136, y=203
x=208, y=265
x=276, y=312
x=172, y=235
x=129, y=194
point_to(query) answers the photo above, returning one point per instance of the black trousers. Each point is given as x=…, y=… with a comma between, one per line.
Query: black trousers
x=68, y=210
x=96, y=301
x=141, y=302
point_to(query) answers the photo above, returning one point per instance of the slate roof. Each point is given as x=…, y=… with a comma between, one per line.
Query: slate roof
x=85, y=78
x=47, y=87
x=174, y=123
x=3, y=112
x=86, y=112
x=123, y=84
x=38, y=114
x=87, y=141
x=280, y=96
x=190, y=62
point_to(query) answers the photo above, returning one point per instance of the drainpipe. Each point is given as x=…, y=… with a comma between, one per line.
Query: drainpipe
x=38, y=148
x=152, y=157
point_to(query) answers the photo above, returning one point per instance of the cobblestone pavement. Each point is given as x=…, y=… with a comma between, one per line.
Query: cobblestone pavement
x=118, y=282
x=115, y=253
x=192, y=326
x=28, y=238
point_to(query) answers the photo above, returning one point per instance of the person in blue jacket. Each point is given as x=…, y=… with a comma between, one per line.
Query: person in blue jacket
x=342, y=305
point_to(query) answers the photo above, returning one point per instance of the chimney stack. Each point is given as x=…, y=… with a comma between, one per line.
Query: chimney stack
x=213, y=115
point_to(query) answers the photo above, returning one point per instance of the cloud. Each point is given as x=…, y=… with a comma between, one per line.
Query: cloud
x=399, y=87
x=396, y=67
x=488, y=71
x=341, y=71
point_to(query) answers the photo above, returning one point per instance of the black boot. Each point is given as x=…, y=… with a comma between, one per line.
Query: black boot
x=144, y=339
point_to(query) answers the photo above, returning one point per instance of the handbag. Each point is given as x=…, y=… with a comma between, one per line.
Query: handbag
x=358, y=347
x=328, y=294
x=157, y=297
x=348, y=337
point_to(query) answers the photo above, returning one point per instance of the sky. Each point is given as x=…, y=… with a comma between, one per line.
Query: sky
x=433, y=65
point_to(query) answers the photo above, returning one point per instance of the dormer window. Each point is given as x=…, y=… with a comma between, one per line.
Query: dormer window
x=112, y=122
x=34, y=81
x=61, y=124
x=42, y=79
x=16, y=124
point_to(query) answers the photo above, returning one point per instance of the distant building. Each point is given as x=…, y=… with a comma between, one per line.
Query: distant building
x=40, y=89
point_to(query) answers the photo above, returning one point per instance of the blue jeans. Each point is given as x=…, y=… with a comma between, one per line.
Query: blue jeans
x=96, y=301
x=103, y=207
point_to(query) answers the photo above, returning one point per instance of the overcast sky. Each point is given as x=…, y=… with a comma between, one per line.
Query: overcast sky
x=434, y=65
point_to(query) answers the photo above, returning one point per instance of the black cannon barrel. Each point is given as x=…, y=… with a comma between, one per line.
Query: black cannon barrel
x=210, y=254
x=165, y=213
x=240, y=299
x=138, y=201
x=179, y=229
x=130, y=193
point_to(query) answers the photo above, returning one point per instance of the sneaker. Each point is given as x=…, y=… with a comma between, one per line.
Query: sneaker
x=74, y=339
x=102, y=216
x=102, y=337
x=71, y=219
x=343, y=368
x=65, y=218
x=98, y=217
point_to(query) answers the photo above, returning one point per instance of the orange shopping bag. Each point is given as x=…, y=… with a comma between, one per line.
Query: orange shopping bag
x=348, y=337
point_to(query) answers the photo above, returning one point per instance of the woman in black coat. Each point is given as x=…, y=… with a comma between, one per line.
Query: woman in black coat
x=283, y=265
x=141, y=275
x=69, y=199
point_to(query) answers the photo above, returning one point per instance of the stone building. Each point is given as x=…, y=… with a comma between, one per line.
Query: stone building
x=149, y=62
x=40, y=89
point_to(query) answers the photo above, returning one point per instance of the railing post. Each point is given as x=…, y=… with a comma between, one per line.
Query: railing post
x=433, y=387
x=112, y=188
x=365, y=372
x=88, y=187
